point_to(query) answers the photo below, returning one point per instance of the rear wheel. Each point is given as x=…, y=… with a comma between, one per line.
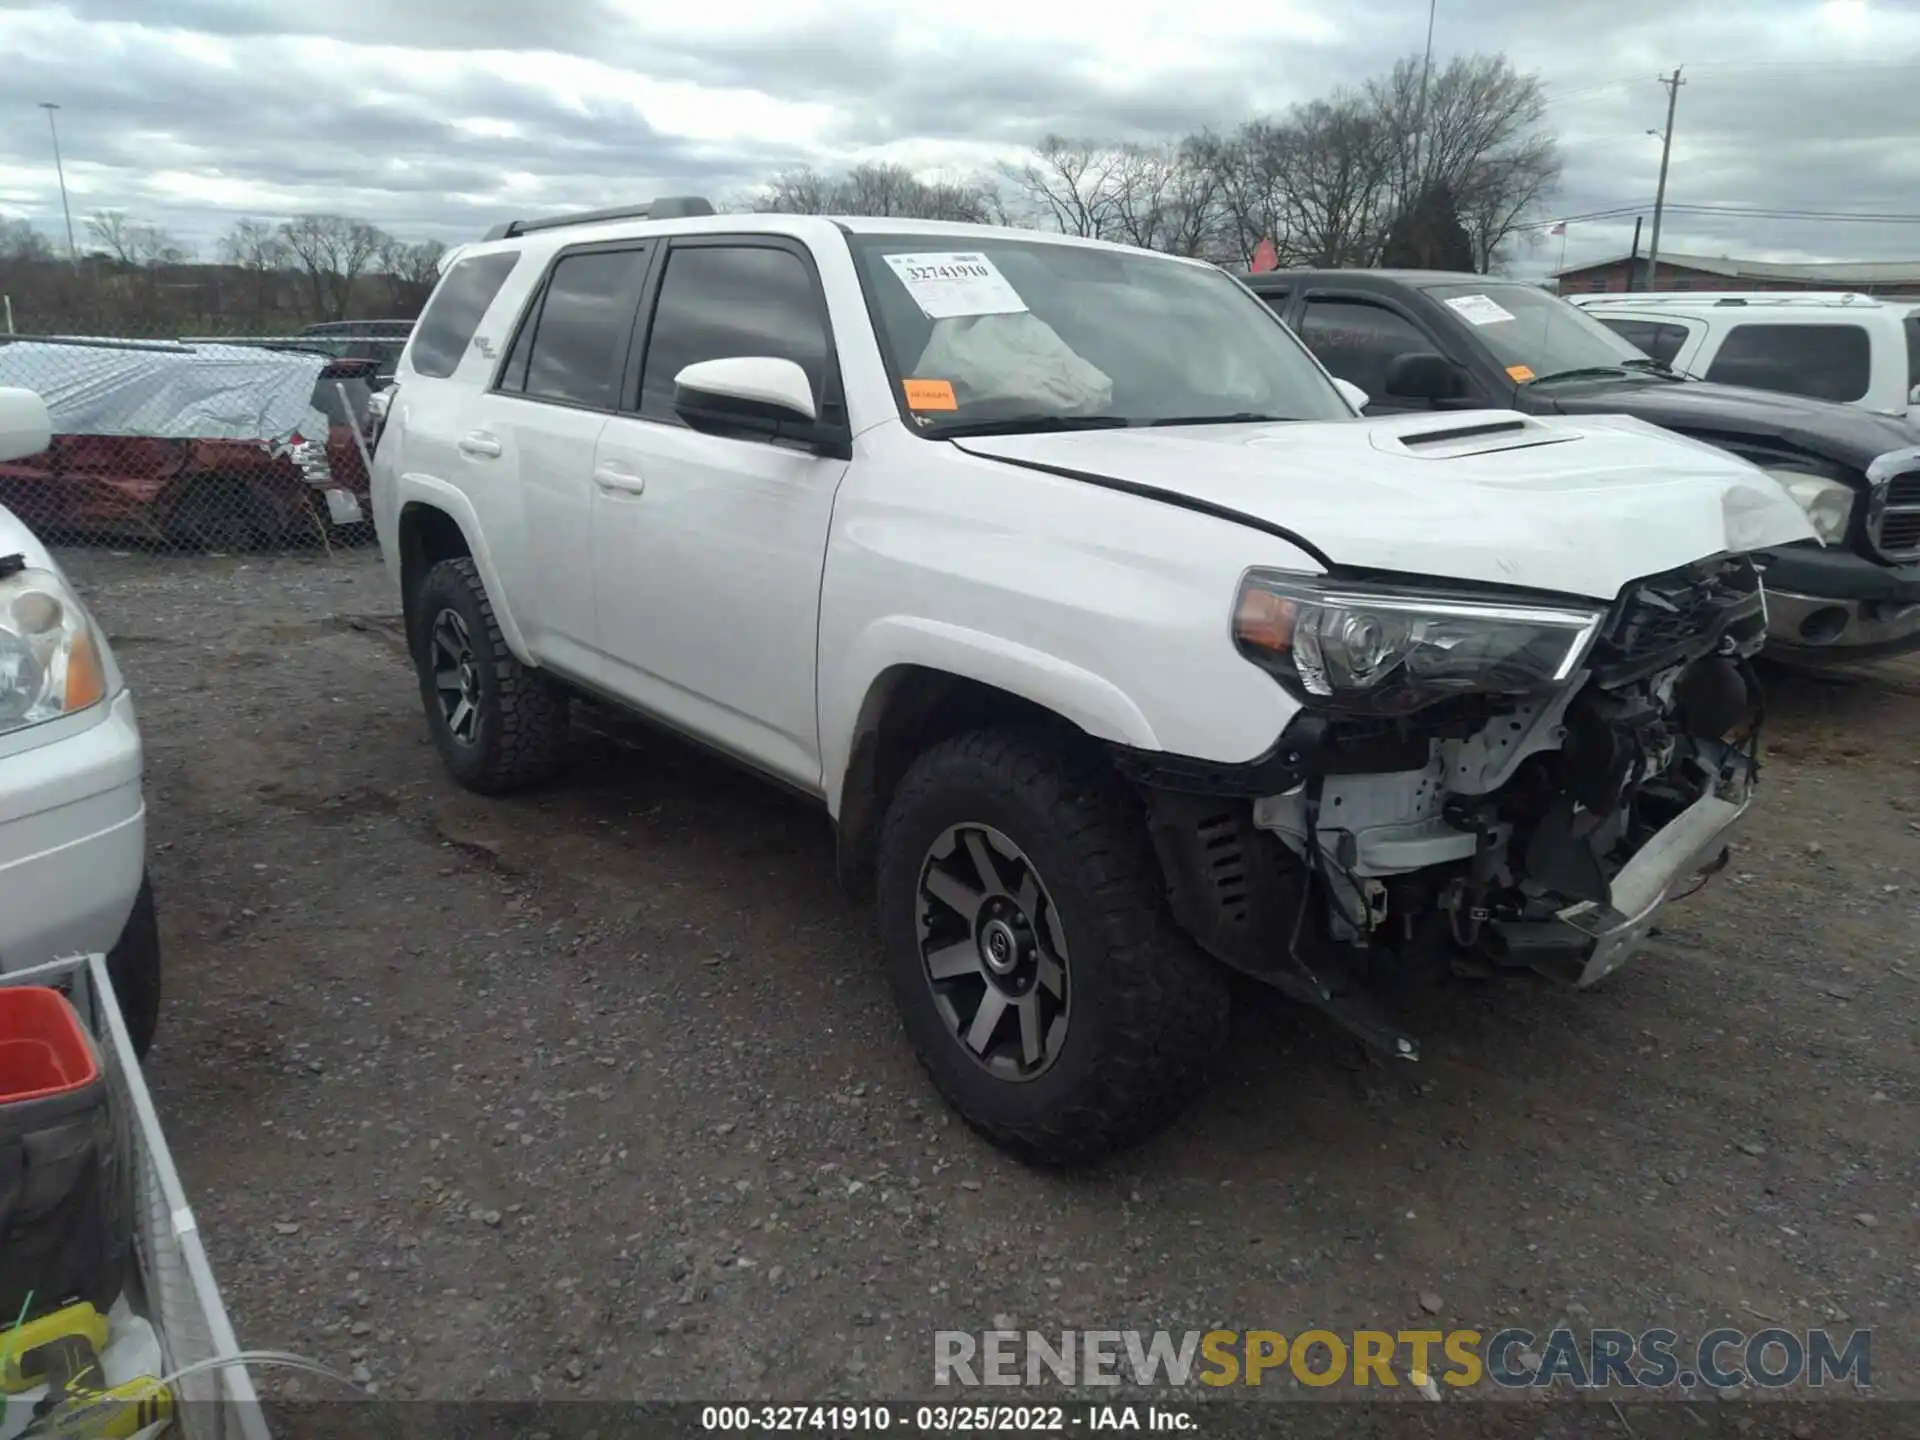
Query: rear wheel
x=1038, y=974
x=499, y=725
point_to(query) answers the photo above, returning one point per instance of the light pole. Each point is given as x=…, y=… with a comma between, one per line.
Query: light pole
x=1426, y=65
x=73, y=251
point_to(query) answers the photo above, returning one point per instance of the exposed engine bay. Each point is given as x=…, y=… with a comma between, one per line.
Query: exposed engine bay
x=1485, y=833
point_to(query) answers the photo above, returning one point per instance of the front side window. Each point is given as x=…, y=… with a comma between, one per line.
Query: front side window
x=456, y=310
x=1824, y=362
x=1358, y=341
x=1019, y=334
x=1913, y=350
x=720, y=302
x=579, y=338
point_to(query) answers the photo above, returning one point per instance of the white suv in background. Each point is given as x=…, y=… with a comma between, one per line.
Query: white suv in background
x=1119, y=650
x=1858, y=349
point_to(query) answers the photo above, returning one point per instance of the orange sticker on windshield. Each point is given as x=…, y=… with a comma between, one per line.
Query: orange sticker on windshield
x=930, y=395
x=1520, y=373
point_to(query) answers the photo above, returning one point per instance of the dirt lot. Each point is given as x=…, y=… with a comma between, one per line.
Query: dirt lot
x=598, y=1091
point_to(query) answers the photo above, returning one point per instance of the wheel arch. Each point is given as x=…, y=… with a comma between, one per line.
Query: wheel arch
x=910, y=706
x=438, y=524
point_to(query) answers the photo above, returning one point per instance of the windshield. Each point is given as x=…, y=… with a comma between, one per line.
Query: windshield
x=1534, y=335
x=1038, y=334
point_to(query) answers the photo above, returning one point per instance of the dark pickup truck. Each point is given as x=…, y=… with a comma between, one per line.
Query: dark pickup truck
x=1429, y=340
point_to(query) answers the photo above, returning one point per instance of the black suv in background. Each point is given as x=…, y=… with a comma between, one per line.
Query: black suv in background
x=1430, y=340
x=380, y=341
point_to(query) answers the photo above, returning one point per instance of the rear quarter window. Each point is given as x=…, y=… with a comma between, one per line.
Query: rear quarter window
x=456, y=310
x=1822, y=362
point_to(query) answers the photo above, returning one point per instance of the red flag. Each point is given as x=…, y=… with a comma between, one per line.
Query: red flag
x=1265, y=258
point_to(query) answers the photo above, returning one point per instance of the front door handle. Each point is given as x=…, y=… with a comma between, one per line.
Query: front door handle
x=480, y=445
x=624, y=482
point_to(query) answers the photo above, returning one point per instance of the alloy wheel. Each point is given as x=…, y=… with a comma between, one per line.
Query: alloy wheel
x=456, y=676
x=993, y=952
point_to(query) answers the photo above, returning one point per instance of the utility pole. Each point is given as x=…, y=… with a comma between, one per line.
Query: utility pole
x=1633, y=258
x=73, y=251
x=1673, y=83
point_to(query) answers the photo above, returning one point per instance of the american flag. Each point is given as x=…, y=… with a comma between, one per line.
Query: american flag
x=1559, y=229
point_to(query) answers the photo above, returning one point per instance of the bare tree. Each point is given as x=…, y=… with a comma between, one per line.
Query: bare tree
x=878, y=190
x=409, y=271
x=133, y=244
x=19, y=241
x=255, y=245
x=1163, y=197
x=1478, y=137
x=1071, y=185
x=333, y=252
x=1337, y=169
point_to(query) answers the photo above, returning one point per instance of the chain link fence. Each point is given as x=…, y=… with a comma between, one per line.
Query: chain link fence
x=188, y=444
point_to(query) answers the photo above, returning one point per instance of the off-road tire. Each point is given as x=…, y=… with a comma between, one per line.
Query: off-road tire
x=522, y=734
x=134, y=967
x=1149, y=1010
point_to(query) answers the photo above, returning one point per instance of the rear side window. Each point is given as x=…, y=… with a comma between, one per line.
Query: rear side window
x=1357, y=342
x=721, y=301
x=1662, y=342
x=580, y=336
x=1824, y=362
x=456, y=310
x=1913, y=350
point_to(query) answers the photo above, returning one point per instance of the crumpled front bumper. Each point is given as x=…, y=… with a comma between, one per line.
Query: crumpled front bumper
x=1588, y=940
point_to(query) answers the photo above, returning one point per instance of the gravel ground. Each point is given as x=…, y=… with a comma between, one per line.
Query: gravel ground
x=598, y=1092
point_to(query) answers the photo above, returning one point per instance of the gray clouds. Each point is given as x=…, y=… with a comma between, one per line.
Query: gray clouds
x=437, y=117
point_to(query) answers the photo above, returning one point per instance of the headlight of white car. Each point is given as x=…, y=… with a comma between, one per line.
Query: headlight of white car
x=50, y=660
x=1828, y=503
x=1385, y=650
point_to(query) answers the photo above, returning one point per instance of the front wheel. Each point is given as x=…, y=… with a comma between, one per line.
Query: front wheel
x=133, y=965
x=499, y=725
x=1038, y=974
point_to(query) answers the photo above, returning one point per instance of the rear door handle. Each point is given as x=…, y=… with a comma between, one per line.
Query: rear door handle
x=480, y=445
x=625, y=482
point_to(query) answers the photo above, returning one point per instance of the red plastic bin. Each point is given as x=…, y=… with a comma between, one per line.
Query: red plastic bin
x=43, y=1049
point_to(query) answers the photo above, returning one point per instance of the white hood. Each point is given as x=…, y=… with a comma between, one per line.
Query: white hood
x=1486, y=496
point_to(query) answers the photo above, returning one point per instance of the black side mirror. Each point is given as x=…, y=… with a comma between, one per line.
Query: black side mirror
x=1424, y=375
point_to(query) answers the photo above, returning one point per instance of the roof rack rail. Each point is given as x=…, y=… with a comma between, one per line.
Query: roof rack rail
x=671, y=207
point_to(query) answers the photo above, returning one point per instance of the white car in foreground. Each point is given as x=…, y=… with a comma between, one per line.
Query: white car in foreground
x=72, y=809
x=1121, y=652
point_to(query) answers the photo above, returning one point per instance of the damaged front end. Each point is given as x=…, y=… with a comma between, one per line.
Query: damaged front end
x=1477, y=782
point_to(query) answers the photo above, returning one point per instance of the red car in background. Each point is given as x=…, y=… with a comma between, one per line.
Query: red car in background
x=202, y=446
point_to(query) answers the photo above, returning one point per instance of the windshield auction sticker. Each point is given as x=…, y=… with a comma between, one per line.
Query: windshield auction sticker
x=1479, y=309
x=954, y=285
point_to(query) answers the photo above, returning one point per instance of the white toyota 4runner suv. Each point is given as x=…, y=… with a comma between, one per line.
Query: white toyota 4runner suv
x=1119, y=650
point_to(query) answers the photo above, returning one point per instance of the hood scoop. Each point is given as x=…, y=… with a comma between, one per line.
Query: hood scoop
x=1454, y=437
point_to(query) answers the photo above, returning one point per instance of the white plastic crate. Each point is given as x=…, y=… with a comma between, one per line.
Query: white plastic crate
x=174, y=1288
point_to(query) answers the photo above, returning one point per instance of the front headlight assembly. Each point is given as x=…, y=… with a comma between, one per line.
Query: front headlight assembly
x=1828, y=503
x=1385, y=650
x=50, y=660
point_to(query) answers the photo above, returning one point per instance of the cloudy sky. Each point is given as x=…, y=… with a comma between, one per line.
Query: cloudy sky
x=438, y=117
